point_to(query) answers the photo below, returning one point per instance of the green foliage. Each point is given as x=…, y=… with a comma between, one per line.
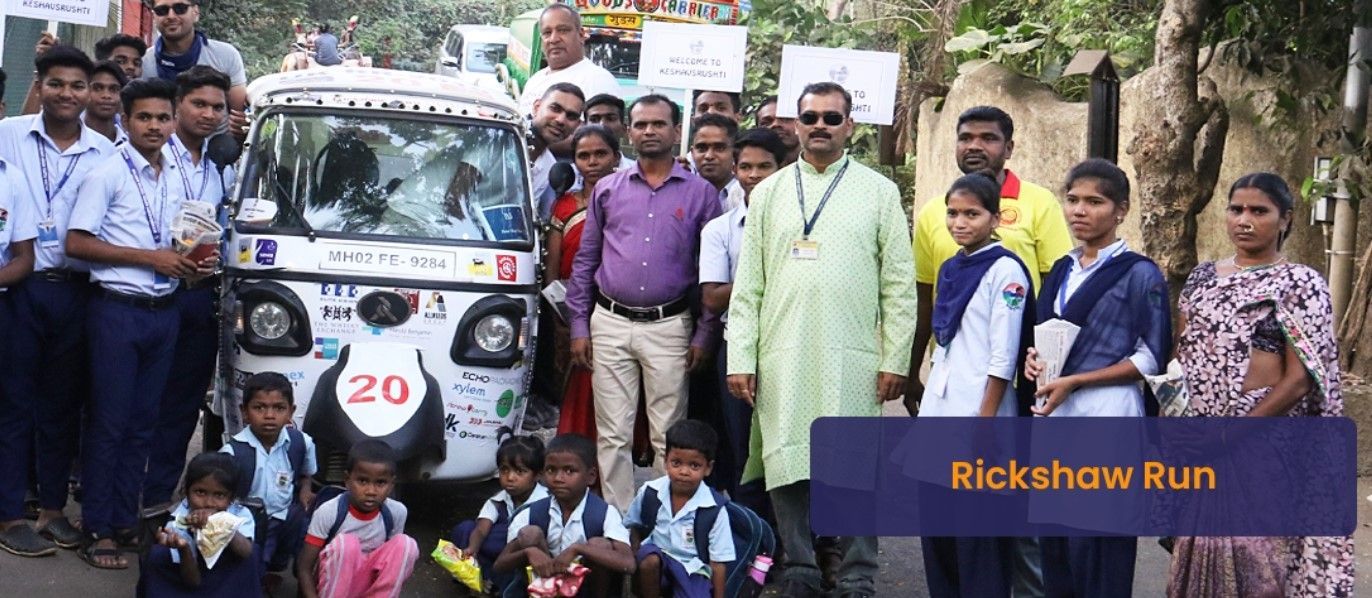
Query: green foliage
x=1040, y=37
x=777, y=23
x=407, y=32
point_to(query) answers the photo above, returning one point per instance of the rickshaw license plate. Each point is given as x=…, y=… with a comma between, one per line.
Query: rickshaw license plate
x=391, y=260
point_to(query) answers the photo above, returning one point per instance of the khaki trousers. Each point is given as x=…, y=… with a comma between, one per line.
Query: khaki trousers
x=626, y=353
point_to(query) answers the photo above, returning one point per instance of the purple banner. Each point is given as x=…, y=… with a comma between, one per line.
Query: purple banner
x=1283, y=476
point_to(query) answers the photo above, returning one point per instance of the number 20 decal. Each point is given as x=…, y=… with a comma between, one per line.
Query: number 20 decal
x=394, y=389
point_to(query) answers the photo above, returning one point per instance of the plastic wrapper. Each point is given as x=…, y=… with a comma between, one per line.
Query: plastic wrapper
x=212, y=539
x=464, y=569
x=563, y=584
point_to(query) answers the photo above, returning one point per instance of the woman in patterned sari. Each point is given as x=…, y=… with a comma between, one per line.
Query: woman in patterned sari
x=1258, y=340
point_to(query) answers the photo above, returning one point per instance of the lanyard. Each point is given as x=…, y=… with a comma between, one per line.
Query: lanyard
x=155, y=229
x=181, y=168
x=1088, y=272
x=47, y=180
x=800, y=192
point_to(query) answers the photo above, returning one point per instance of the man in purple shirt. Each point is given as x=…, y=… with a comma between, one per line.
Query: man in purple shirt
x=637, y=263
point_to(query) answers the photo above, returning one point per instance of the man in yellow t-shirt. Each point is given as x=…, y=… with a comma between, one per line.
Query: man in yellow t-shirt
x=1031, y=222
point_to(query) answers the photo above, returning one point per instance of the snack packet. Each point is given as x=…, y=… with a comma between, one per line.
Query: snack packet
x=464, y=570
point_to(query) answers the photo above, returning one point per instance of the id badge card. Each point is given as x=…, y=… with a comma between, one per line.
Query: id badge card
x=688, y=537
x=160, y=281
x=804, y=250
x=283, y=479
x=47, y=234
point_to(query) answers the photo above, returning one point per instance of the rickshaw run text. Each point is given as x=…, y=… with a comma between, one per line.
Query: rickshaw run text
x=1157, y=475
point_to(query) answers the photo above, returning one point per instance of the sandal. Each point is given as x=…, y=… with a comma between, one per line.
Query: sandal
x=21, y=540
x=91, y=554
x=62, y=533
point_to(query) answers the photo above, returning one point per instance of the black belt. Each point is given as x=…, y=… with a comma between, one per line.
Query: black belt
x=140, y=301
x=644, y=314
x=61, y=275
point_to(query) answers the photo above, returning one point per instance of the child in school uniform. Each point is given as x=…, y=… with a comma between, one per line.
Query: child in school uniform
x=549, y=534
x=356, y=543
x=275, y=462
x=520, y=462
x=176, y=567
x=983, y=326
x=670, y=562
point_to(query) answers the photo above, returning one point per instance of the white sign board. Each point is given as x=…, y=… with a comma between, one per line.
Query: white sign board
x=872, y=78
x=81, y=12
x=683, y=56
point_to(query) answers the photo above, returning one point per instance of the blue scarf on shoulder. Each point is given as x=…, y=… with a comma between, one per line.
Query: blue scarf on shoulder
x=957, y=282
x=168, y=67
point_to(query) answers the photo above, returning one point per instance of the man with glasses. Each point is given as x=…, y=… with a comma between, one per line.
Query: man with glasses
x=564, y=48
x=556, y=116
x=181, y=46
x=632, y=293
x=820, y=321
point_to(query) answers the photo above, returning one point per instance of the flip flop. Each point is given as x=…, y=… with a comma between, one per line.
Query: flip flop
x=62, y=533
x=128, y=538
x=91, y=553
x=21, y=540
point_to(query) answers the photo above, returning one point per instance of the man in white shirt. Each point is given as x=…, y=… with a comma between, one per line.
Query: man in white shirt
x=712, y=151
x=564, y=49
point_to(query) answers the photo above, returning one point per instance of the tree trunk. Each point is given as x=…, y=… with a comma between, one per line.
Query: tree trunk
x=1355, y=339
x=1177, y=153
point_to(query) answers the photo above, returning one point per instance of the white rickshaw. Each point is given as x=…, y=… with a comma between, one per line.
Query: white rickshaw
x=382, y=255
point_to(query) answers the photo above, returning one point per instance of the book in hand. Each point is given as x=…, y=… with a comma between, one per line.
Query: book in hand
x=1053, y=340
x=195, y=233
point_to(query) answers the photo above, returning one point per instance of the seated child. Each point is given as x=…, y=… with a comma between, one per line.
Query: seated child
x=175, y=566
x=356, y=543
x=275, y=462
x=520, y=461
x=550, y=533
x=671, y=562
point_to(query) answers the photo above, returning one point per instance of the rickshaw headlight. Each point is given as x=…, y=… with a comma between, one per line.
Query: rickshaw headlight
x=494, y=333
x=269, y=320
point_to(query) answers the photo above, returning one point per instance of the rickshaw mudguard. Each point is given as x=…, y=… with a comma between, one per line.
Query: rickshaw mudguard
x=378, y=380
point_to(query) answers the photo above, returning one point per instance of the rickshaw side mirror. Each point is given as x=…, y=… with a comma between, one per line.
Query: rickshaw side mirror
x=561, y=177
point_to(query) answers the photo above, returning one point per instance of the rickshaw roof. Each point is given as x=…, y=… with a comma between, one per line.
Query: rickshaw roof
x=359, y=88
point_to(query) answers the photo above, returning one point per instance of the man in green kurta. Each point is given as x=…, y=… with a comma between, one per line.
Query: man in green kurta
x=821, y=320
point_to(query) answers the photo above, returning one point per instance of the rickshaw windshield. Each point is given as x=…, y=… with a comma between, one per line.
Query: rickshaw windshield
x=369, y=174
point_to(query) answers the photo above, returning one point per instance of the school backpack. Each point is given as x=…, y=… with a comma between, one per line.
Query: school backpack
x=328, y=493
x=246, y=457
x=752, y=535
x=592, y=517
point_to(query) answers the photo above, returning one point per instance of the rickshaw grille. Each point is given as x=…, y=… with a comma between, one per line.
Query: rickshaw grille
x=335, y=467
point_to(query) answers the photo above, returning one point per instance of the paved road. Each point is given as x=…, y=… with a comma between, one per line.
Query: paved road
x=435, y=509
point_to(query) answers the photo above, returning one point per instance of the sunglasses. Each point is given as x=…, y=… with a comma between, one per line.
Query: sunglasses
x=832, y=119
x=179, y=8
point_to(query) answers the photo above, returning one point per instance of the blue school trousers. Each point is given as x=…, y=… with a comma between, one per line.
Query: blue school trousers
x=231, y=577
x=131, y=356
x=284, y=539
x=197, y=344
x=737, y=418
x=45, y=388
x=673, y=578
x=1089, y=566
